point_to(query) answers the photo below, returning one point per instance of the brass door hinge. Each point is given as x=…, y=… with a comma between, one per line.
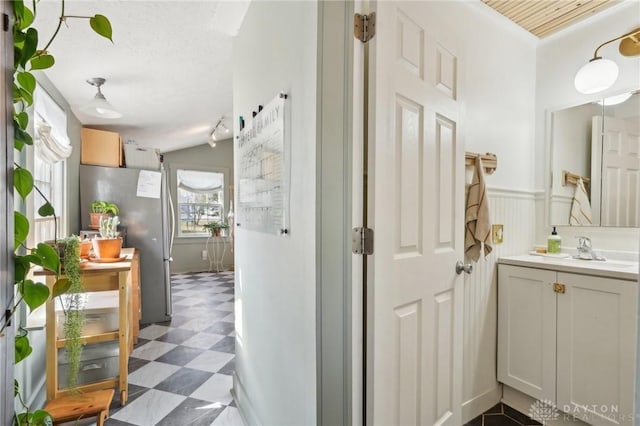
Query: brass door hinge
x=364, y=26
x=559, y=288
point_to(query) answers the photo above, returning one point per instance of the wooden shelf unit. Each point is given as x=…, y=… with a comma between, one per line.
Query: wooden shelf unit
x=98, y=277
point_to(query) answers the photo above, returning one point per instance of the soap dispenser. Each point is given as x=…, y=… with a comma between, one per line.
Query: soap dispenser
x=553, y=242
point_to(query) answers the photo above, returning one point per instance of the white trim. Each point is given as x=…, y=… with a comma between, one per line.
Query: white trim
x=245, y=408
x=531, y=194
x=478, y=404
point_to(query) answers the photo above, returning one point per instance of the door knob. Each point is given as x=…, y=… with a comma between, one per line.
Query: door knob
x=461, y=267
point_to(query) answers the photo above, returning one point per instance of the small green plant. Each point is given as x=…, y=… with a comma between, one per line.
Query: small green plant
x=104, y=207
x=109, y=227
x=215, y=227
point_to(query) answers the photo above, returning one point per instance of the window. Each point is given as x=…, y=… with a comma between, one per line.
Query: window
x=51, y=148
x=200, y=201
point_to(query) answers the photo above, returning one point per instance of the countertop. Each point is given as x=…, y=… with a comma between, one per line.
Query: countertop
x=608, y=269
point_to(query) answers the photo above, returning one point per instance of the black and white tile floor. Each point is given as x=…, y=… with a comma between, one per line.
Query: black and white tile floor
x=180, y=371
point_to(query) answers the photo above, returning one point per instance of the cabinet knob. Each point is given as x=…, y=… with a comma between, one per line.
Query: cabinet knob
x=462, y=267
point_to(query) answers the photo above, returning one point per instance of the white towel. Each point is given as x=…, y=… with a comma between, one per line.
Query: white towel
x=581, y=208
x=477, y=224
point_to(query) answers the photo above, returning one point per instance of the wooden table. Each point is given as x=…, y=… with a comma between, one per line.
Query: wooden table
x=95, y=277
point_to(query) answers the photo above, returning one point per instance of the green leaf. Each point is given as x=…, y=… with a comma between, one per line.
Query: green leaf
x=101, y=25
x=35, y=294
x=23, y=182
x=41, y=418
x=22, y=347
x=16, y=387
x=46, y=210
x=18, y=9
x=42, y=62
x=27, y=81
x=30, y=46
x=20, y=229
x=27, y=18
x=61, y=287
x=50, y=258
x=21, y=266
x=21, y=135
x=28, y=97
x=23, y=119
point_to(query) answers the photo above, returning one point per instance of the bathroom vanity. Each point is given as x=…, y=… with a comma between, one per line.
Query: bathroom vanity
x=567, y=335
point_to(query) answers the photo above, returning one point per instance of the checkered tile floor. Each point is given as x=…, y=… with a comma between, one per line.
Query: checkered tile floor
x=180, y=371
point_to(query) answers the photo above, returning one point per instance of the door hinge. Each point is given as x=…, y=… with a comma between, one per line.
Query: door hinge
x=362, y=241
x=364, y=26
x=5, y=22
x=559, y=288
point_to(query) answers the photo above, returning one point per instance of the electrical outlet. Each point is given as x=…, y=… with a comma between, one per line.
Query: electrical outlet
x=205, y=255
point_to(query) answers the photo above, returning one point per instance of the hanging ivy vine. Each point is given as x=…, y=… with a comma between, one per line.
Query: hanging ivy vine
x=28, y=58
x=73, y=309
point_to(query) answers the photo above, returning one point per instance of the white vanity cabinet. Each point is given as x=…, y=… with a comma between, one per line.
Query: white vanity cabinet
x=569, y=338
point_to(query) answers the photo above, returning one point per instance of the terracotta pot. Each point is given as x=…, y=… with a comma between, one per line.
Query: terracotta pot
x=216, y=233
x=85, y=248
x=105, y=248
x=95, y=219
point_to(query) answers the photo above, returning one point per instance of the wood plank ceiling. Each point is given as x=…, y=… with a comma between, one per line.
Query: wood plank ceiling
x=544, y=17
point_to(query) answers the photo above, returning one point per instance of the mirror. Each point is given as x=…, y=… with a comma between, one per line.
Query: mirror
x=599, y=142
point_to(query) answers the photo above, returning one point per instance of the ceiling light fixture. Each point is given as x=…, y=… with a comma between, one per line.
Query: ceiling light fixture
x=615, y=100
x=219, y=125
x=99, y=106
x=599, y=74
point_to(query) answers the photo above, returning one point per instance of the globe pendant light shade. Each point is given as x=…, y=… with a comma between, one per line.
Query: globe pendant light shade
x=99, y=106
x=595, y=76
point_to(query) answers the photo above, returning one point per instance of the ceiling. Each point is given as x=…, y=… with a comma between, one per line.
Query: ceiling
x=168, y=69
x=545, y=17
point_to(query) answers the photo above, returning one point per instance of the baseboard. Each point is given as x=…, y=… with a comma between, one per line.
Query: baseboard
x=522, y=402
x=244, y=404
x=481, y=403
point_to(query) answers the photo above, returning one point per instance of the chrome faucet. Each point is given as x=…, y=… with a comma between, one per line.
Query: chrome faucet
x=585, y=250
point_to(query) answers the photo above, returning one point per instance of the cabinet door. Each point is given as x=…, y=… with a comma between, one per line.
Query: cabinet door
x=596, y=348
x=527, y=330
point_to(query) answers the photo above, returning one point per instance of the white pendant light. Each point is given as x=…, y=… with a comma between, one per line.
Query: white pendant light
x=99, y=106
x=595, y=76
x=599, y=74
x=615, y=100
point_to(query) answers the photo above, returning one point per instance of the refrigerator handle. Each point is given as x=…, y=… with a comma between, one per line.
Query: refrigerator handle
x=173, y=225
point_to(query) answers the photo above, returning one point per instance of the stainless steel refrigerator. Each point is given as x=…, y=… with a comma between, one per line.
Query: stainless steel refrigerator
x=148, y=225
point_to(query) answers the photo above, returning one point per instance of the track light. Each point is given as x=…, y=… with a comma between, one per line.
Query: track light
x=99, y=106
x=599, y=74
x=219, y=125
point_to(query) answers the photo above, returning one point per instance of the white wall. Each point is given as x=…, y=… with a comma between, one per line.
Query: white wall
x=558, y=59
x=498, y=91
x=275, y=382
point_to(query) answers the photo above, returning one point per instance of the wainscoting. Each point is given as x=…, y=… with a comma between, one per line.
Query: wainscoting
x=516, y=210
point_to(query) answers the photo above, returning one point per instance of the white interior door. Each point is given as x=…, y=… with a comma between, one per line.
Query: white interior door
x=621, y=173
x=416, y=197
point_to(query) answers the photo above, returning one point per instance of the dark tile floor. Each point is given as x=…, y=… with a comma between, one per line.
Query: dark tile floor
x=180, y=372
x=502, y=415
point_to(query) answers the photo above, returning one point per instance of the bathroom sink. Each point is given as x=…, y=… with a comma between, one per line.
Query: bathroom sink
x=600, y=264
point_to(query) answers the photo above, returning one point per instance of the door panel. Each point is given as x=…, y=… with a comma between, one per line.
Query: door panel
x=416, y=176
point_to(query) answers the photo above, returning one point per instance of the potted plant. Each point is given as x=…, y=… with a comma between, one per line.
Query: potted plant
x=100, y=210
x=108, y=245
x=215, y=228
